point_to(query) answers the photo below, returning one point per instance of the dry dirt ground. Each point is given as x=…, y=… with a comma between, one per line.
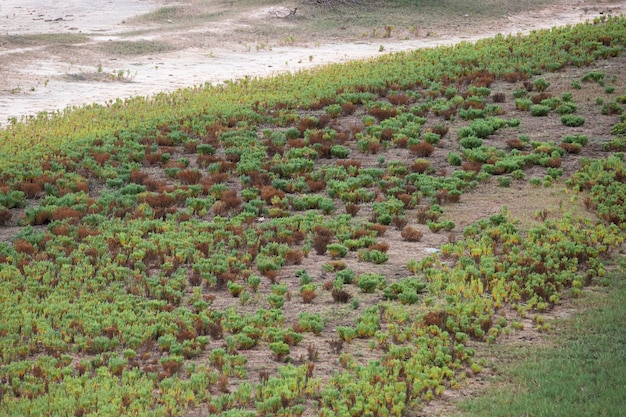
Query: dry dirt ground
x=67, y=53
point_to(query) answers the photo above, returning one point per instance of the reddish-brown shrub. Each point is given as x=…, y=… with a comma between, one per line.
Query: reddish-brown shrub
x=442, y=197
x=411, y=234
x=61, y=230
x=538, y=98
x=422, y=149
x=307, y=123
x=553, y=162
x=380, y=246
x=328, y=285
x=516, y=143
x=322, y=238
x=399, y=222
x=348, y=108
x=23, y=246
x=268, y=192
x=441, y=129
x=204, y=161
x=378, y=228
x=308, y=295
x=399, y=99
x=158, y=186
x=420, y=167
x=293, y=257
x=406, y=199
x=315, y=186
x=386, y=134
x=159, y=200
x=382, y=113
x=435, y=318
x=100, y=157
x=401, y=142
x=335, y=345
x=352, y=209
x=340, y=296
x=499, y=97
x=5, y=216
x=153, y=158
x=296, y=143
x=61, y=213
x=472, y=166
x=230, y=199
x=190, y=147
x=528, y=85
x=484, y=79
x=373, y=147
x=572, y=148
x=189, y=176
x=30, y=188
x=515, y=76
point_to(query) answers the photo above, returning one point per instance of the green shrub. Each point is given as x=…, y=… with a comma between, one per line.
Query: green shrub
x=337, y=250
x=275, y=300
x=471, y=142
x=504, y=181
x=616, y=145
x=582, y=140
x=375, y=256
x=369, y=282
x=281, y=350
x=431, y=137
x=566, y=108
x=339, y=151
x=346, y=276
x=205, y=149
x=523, y=103
x=539, y=110
x=310, y=322
x=594, y=76
x=454, y=159
x=572, y=121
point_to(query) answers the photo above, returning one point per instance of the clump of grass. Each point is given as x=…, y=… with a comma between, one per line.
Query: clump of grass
x=143, y=47
x=43, y=38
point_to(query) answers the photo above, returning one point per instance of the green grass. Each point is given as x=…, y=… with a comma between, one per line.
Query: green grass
x=581, y=371
x=43, y=39
x=142, y=47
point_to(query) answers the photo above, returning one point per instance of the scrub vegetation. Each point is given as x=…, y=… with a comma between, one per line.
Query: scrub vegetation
x=285, y=246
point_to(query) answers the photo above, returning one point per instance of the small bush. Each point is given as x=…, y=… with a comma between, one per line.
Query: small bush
x=346, y=276
x=337, y=250
x=431, y=137
x=471, y=142
x=422, y=149
x=454, y=159
x=581, y=140
x=369, y=282
x=411, y=234
x=572, y=121
x=540, y=84
x=339, y=151
x=539, y=110
x=340, y=296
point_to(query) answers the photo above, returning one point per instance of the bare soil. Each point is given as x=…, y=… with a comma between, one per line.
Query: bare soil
x=68, y=53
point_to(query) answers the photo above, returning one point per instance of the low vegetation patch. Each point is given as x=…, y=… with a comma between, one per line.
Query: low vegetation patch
x=264, y=247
